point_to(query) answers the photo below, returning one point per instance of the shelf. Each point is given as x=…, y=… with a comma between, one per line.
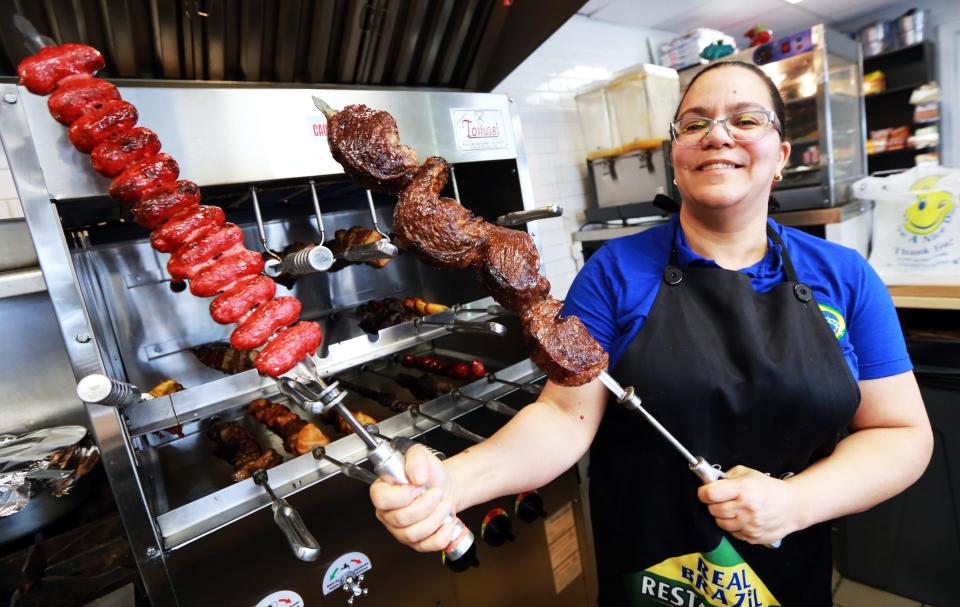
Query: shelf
x=897, y=89
x=892, y=51
x=823, y=216
x=902, y=151
x=931, y=297
x=228, y=505
x=202, y=401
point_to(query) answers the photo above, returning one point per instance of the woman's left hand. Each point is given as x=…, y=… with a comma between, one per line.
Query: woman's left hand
x=752, y=506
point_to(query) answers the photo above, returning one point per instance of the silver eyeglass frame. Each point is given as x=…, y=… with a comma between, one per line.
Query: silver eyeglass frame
x=770, y=114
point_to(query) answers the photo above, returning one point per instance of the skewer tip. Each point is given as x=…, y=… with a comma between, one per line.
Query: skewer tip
x=324, y=107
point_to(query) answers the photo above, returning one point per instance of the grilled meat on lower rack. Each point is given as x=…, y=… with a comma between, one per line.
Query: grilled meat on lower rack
x=299, y=436
x=238, y=446
x=223, y=357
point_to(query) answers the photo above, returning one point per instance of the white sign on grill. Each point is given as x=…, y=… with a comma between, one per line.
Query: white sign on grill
x=476, y=129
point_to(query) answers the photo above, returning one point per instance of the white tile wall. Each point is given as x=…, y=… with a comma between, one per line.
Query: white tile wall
x=9, y=201
x=542, y=89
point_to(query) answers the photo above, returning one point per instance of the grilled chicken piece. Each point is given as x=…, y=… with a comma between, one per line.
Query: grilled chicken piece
x=299, y=436
x=360, y=416
x=238, y=446
x=437, y=230
x=422, y=307
x=563, y=348
x=367, y=144
x=223, y=357
x=166, y=388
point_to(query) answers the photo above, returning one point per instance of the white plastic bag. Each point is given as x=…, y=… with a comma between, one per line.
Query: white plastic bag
x=916, y=235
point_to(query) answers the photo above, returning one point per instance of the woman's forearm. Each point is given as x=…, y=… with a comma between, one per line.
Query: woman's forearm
x=866, y=468
x=542, y=441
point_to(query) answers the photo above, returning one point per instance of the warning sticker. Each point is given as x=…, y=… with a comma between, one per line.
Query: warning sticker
x=282, y=598
x=351, y=563
x=564, y=547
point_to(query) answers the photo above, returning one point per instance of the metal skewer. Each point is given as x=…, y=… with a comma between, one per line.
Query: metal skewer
x=349, y=470
x=451, y=427
x=492, y=309
x=493, y=404
x=304, y=545
x=698, y=465
x=525, y=386
x=464, y=326
x=402, y=443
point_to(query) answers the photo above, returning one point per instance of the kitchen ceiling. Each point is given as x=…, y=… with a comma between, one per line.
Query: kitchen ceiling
x=459, y=44
x=733, y=18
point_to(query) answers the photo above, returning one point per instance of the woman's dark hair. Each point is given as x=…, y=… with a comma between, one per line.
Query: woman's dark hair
x=779, y=108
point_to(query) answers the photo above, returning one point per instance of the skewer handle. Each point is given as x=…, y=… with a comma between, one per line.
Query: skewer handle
x=99, y=389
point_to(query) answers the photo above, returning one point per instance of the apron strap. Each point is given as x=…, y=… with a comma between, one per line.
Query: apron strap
x=784, y=256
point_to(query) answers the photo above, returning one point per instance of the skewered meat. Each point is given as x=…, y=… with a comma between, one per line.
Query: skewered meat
x=357, y=235
x=437, y=230
x=186, y=227
x=426, y=386
x=267, y=318
x=221, y=356
x=382, y=313
x=288, y=347
x=299, y=436
x=161, y=203
x=191, y=258
x=563, y=348
x=461, y=370
x=387, y=400
x=41, y=71
x=360, y=416
x=422, y=307
x=102, y=123
x=509, y=269
x=112, y=156
x=99, y=125
x=130, y=185
x=166, y=388
x=238, y=446
x=242, y=297
x=367, y=144
x=226, y=271
x=77, y=95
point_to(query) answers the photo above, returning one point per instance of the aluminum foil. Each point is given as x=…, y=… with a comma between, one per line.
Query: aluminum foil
x=51, y=459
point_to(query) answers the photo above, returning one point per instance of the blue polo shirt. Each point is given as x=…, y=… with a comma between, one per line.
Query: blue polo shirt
x=615, y=290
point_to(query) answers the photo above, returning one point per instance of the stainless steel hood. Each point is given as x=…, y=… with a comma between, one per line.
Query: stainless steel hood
x=459, y=44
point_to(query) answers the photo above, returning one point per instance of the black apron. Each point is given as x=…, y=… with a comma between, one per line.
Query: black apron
x=739, y=377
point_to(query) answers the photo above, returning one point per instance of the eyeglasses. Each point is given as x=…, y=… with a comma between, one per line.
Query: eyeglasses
x=743, y=127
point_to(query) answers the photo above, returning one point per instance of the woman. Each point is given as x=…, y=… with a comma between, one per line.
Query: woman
x=775, y=355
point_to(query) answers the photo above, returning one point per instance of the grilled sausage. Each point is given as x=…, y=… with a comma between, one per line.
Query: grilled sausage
x=112, y=156
x=240, y=298
x=41, y=71
x=269, y=316
x=289, y=347
x=130, y=185
x=161, y=203
x=226, y=271
x=192, y=258
x=77, y=95
x=96, y=126
x=185, y=227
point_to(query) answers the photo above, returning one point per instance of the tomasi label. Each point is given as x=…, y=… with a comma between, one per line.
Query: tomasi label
x=476, y=129
x=712, y=579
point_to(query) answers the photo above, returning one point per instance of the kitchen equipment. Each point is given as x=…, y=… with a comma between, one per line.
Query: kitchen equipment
x=601, y=138
x=644, y=98
x=198, y=537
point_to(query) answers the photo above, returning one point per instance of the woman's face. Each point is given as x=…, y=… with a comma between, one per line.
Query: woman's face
x=720, y=172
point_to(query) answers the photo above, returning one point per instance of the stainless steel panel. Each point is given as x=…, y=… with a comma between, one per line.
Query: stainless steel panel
x=16, y=247
x=240, y=567
x=221, y=136
x=21, y=282
x=38, y=388
x=223, y=507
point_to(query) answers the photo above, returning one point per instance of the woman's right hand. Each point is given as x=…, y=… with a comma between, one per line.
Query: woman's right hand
x=421, y=514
